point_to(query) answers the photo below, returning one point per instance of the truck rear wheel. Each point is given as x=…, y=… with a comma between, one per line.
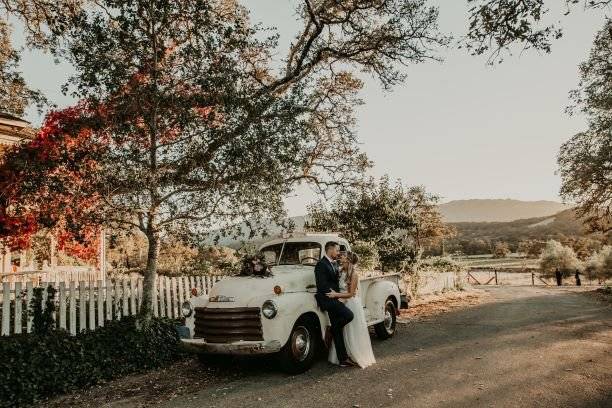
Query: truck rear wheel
x=386, y=328
x=298, y=354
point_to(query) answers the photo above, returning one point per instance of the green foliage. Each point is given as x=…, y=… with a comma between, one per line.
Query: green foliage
x=42, y=310
x=585, y=161
x=527, y=236
x=501, y=250
x=599, y=265
x=15, y=96
x=557, y=256
x=498, y=26
x=36, y=366
x=440, y=264
x=369, y=258
x=399, y=221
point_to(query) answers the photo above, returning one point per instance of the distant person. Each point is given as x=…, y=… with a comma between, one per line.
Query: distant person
x=558, y=276
x=578, y=283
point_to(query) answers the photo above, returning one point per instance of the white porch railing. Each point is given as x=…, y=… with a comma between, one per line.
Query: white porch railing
x=86, y=305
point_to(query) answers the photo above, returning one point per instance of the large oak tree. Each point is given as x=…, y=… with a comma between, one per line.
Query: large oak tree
x=196, y=125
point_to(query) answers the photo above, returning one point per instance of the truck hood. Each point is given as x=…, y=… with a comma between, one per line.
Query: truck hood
x=239, y=291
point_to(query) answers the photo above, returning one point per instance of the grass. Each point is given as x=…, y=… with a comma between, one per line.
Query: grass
x=513, y=261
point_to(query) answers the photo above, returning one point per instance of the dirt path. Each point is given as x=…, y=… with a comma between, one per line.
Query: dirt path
x=523, y=346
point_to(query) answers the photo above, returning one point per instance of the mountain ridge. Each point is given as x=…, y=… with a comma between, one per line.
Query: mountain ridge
x=498, y=210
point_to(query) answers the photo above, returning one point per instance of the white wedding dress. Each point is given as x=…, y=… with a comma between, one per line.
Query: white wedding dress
x=356, y=333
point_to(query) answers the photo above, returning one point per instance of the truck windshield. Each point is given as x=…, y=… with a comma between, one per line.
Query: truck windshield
x=293, y=253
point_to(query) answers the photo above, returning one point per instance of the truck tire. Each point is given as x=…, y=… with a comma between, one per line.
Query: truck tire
x=298, y=354
x=386, y=328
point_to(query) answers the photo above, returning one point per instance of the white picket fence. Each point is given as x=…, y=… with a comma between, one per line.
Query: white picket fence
x=52, y=274
x=87, y=305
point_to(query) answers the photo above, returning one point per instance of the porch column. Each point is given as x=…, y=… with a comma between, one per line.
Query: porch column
x=102, y=255
x=5, y=266
x=53, y=260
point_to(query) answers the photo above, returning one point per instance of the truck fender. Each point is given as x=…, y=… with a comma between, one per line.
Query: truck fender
x=291, y=307
x=377, y=295
x=199, y=301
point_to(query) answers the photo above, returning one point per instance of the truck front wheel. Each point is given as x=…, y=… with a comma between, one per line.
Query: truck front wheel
x=386, y=328
x=297, y=356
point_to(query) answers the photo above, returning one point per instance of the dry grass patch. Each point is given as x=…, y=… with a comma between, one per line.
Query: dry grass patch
x=432, y=305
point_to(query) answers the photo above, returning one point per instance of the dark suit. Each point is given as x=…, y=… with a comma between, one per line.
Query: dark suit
x=327, y=278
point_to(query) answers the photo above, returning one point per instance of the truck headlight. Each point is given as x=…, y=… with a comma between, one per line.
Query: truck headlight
x=186, y=309
x=269, y=309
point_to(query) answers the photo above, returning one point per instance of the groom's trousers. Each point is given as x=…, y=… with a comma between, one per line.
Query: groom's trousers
x=339, y=316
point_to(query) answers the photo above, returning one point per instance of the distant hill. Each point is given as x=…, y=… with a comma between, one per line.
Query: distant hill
x=490, y=219
x=498, y=210
x=563, y=223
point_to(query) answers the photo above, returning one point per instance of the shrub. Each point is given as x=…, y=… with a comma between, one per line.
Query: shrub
x=368, y=255
x=599, y=265
x=440, y=264
x=36, y=366
x=501, y=250
x=42, y=312
x=557, y=256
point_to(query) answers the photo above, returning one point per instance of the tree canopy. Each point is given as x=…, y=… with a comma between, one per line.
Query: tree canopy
x=400, y=221
x=188, y=124
x=496, y=26
x=585, y=161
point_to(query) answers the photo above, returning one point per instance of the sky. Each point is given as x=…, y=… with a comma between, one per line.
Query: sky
x=461, y=128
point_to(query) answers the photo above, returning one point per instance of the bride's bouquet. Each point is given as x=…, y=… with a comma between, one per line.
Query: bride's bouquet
x=255, y=265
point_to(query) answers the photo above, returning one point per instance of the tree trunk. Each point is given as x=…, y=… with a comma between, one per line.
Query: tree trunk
x=146, y=311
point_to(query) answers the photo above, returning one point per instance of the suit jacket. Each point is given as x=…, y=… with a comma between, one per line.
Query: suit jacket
x=326, y=276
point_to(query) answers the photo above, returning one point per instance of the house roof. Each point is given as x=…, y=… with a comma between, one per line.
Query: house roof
x=8, y=116
x=14, y=129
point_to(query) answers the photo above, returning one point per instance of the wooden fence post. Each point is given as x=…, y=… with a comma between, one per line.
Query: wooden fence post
x=176, y=312
x=6, y=308
x=181, y=298
x=140, y=280
x=92, y=306
x=72, y=308
x=169, y=307
x=162, y=303
x=132, y=297
x=126, y=310
x=117, y=300
x=191, y=284
x=62, y=305
x=82, y=307
x=18, y=310
x=108, y=292
x=100, y=303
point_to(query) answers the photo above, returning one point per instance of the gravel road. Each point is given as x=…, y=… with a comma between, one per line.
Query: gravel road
x=524, y=347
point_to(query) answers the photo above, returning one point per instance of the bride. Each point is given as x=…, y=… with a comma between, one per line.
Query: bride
x=356, y=334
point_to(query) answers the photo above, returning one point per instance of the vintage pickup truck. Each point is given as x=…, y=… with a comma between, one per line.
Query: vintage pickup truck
x=278, y=314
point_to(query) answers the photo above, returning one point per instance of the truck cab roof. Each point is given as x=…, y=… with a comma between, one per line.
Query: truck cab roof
x=318, y=237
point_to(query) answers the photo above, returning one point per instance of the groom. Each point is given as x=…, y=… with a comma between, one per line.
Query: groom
x=327, y=278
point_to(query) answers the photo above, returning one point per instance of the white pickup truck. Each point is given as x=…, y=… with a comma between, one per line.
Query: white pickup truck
x=278, y=314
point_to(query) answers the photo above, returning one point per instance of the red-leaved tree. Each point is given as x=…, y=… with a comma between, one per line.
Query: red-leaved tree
x=40, y=183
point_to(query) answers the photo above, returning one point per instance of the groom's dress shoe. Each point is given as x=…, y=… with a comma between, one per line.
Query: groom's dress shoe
x=348, y=363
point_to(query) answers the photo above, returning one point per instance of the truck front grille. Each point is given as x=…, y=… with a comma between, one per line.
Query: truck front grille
x=228, y=325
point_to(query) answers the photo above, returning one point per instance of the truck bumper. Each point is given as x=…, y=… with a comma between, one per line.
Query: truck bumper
x=238, y=348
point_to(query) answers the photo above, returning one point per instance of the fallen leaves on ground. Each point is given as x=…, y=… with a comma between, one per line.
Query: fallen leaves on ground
x=431, y=305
